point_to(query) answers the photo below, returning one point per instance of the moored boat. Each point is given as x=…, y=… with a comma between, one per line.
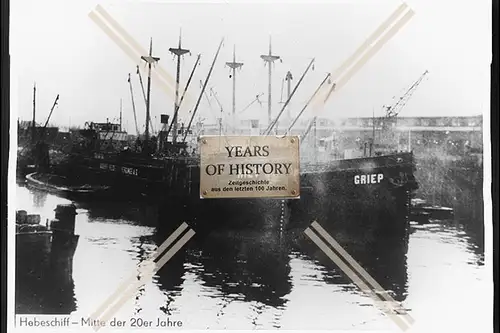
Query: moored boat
x=61, y=185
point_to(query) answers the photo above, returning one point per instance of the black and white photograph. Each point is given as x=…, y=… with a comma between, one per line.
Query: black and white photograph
x=242, y=165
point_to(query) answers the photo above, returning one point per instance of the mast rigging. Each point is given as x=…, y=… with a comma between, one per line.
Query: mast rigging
x=234, y=66
x=133, y=104
x=305, y=107
x=202, y=90
x=256, y=99
x=149, y=60
x=178, y=52
x=274, y=123
x=144, y=93
x=33, y=125
x=184, y=92
x=120, y=114
x=288, y=79
x=214, y=94
x=269, y=59
x=42, y=132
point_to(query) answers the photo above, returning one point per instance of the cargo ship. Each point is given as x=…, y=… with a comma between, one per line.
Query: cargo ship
x=375, y=188
x=160, y=167
x=169, y=170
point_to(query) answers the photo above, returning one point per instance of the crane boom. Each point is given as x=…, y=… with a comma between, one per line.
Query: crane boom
x=203, y=90
x=216, y=99
x=393, y=110
x=133, y=105
x=256, y=99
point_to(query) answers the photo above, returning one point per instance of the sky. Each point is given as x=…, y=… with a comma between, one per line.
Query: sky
x=56, y=44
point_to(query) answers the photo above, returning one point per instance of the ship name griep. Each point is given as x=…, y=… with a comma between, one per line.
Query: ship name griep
x=373, y=178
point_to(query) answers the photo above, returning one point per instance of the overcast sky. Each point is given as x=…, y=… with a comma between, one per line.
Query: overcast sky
x=56, y=44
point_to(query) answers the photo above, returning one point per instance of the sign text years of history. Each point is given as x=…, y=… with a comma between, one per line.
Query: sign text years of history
x=249, y=166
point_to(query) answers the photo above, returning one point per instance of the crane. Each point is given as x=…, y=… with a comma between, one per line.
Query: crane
x=392, y=111
x=133, y=105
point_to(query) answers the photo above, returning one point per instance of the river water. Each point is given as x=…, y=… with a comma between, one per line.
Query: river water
x=249, y=280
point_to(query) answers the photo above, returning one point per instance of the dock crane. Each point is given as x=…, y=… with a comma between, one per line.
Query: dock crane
x=41, y=149
x=133, y=105
x=392, y=111
x=389, y=119
x=42, y=133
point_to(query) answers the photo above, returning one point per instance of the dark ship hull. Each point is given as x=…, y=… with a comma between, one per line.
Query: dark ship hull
x=370, y=194
x=371, y=189
x=175, y=183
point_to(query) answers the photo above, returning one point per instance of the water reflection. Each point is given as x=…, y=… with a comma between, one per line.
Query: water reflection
x=384, y=259
x=243, y=278
x=42, y=287
x=247, y=266
x=39, y=199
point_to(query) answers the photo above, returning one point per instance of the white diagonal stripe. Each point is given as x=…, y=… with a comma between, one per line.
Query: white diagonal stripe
x=147, y=273
x=386, y=307
x=132, y=278
x=347, y=257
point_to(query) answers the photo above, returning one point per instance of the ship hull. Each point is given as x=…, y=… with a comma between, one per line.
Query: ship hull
x=372, y=191
x=370, y=194
x=175, y=186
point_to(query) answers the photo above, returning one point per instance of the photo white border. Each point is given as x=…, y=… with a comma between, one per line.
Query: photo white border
x=11, y=191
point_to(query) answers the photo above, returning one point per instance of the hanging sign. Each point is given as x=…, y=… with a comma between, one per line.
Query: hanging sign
x=249, y=167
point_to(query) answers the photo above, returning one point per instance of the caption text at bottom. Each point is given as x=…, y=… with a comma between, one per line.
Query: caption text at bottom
x=134, y=322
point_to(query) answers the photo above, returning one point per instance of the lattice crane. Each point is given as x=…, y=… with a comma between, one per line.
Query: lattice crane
x=392, y=111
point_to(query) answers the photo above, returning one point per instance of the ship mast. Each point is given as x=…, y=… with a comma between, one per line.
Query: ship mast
x=120, y=114
x=178, y=52
x=269, y=59
x=202, y=91
x=288, y=79
x=133, y=103
x=184, y=92
x=149, y=60
x=234, y=66
x=144, y=94
x=274, y=123
x=34, y=110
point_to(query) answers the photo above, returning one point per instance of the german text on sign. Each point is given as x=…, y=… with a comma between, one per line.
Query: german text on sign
x=249, y=167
